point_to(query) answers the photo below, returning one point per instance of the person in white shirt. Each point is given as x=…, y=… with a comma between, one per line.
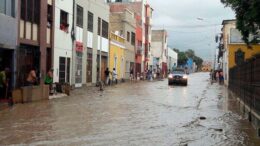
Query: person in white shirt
x=114, y=75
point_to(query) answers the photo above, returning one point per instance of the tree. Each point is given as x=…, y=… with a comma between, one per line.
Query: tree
x=190, y=53
x=248, y=17
x=198, y=61
x=182, y=58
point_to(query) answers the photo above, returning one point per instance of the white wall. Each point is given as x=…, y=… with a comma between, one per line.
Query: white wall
x=172, y=58
x=156, y=49
x=105, y=44
x=62, y=40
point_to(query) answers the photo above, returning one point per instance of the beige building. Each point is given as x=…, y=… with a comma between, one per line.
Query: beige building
x=124, y=23
x=159, y=50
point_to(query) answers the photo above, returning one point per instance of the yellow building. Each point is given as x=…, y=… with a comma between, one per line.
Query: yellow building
x=117, y=55
x=248, y=52
x=232, y=44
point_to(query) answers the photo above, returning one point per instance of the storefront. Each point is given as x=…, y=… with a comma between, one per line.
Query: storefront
x=27, y=58
x=7, y=61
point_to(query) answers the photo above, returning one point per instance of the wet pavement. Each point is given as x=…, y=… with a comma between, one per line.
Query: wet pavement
x=134, y=114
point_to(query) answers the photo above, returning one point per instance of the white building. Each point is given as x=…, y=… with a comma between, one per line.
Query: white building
x=91, y=22
x=159, y=50
x=172, y=61
x=63, y=42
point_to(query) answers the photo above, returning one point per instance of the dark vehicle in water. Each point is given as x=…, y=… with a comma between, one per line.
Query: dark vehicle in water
x=178, y=76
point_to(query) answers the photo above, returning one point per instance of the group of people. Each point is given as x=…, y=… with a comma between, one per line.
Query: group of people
x=114, y=76
x=218, y=76
x=30, y=80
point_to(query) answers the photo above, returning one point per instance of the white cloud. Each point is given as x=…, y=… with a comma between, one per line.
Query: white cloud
x=179, y=17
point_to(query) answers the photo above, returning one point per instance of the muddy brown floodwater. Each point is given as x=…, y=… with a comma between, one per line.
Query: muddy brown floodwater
x=132, y=114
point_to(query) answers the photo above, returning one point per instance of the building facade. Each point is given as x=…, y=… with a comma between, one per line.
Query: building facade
x=35, y=38
x=143, y=15
x=117, y=55
x=63, y=41
x=159, y=50
x=8, y=36
x=148, y=61
x=234, y=48
x=91, y=27
x=227, y=25
x=124, y=23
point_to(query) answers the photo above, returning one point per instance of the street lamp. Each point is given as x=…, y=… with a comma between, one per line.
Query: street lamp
x=213, y=53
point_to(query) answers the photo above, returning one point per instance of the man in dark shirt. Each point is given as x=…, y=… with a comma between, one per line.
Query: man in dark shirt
x=107, y=75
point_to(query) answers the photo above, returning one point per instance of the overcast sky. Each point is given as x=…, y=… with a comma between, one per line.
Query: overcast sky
x=180, y=19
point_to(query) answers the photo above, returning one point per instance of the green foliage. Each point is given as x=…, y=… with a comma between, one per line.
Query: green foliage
x=190, y=53
x=248, y=17
x=183, y=57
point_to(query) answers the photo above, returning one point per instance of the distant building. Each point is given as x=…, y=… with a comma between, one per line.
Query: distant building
x=124, y=23
x=206, y=66
x=159, y=50
x=117, y=55
x=143, y=14
x=172, y=59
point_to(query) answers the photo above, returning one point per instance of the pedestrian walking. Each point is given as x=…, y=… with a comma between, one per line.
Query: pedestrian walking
x=131, y=74
x=114, y=76
x=4, y=83
x=107, y=75
x=217, y=76
x=221, y=78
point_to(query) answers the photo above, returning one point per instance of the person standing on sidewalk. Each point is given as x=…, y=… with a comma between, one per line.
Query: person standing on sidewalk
x=49, y=80
x=31, y=79
x=4, y=80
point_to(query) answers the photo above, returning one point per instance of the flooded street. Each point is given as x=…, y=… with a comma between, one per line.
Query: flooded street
x=144, y=113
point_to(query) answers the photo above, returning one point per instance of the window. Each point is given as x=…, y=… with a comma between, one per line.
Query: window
x=90, y=21
x=30, y=10
x=64, y=21
x=104, y=29
x=115, y=62
x=128, y=36
x=99, y=24
x=49, y=16
x=79, y=16
x=36, y=12
x=133, y=38
x=64, y=70
x=23, y=8
x=7, y=7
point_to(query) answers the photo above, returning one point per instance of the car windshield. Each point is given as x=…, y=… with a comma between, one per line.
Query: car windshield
x=178, y=72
